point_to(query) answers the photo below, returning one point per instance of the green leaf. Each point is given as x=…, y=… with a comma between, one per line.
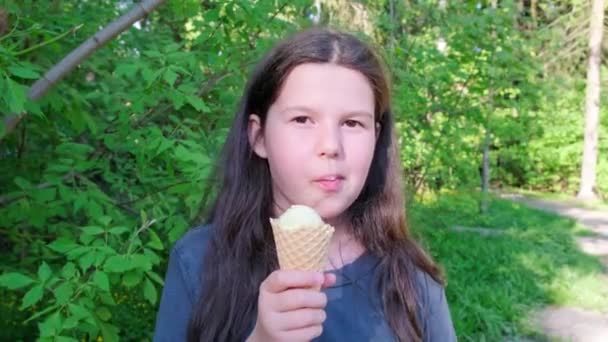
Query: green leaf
x=44, y=272
x=92, y=230
x=155, y=241
x=14, y=280
x=164, y=145
x=150, y=291
x=156, y=278
x=45, y=195
x=109, y=333
x=198, y=103
x=79, y=311
x=32, y=296
x=128, y=70
x=51, y=325
x=79, y=203
x=100, y=279
x=131, y=278
x=118, y=230
x=177, y=98
x=140, y=261
x=104, y=220
x=68, y=270
x=62, y=245
x=65, y=338
x=117, y=263
x=74, y=149
x=16, y=96
x=77, y=252
x=143, y=215
x=151, y=77
x=22, y=183
x=103, y=313
x=23, y=72
x=63, y=292
x=70, y=322
x=86, y=239
x=170, y=76
x=106, y=298
x=87, y=260
x=151, y=256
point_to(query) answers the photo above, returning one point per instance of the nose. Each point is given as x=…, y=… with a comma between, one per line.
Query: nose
x=330, y=141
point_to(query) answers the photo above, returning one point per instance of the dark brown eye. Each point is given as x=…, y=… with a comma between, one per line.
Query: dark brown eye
x=301, y=119
x=353, y=123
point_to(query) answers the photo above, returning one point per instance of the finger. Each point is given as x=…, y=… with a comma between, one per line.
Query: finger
x=304, y=334
x=300, y=298
x=281, y=280
x=330, y=280
x=302, y=318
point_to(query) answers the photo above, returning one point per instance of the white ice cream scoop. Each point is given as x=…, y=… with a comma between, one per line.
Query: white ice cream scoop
x=299, y=216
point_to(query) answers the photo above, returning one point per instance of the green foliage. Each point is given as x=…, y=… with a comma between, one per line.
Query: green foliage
x=108, y=170
x=457, y=73
x=549, y=159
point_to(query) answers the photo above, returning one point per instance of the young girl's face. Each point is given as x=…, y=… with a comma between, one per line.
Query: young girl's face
x=318, y=138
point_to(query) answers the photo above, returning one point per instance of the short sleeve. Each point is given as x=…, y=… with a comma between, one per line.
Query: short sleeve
x=439, y=326
x=176, y=303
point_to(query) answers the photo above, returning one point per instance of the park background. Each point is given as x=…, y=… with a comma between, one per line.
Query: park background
x=101, y=175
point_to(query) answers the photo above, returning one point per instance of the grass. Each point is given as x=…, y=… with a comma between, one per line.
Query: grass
x=496, y=282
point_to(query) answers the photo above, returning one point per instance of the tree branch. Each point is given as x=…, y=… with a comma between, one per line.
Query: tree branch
x=69, y=62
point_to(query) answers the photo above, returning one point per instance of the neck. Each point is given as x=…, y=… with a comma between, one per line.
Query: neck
x=343, y=247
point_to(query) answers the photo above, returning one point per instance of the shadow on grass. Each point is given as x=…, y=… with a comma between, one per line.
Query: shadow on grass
x=496, y=282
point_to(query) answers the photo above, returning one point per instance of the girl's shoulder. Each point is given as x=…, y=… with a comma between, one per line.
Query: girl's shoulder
x=190, y=249
x=195, y=238
x=433, y=308
x=430, y=291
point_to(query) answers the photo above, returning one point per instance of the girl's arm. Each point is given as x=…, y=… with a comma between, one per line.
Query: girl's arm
x=176, y=303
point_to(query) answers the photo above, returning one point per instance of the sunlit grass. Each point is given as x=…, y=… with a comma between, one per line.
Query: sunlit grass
x=496, y=282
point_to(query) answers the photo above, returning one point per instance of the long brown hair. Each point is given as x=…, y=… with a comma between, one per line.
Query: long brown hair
x=242, y=251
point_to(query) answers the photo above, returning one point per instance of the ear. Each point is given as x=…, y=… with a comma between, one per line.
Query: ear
x=255, y=134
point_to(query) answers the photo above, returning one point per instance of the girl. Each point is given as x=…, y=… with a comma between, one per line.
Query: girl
x=314, y=128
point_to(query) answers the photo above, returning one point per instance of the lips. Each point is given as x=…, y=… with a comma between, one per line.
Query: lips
x=330, y=183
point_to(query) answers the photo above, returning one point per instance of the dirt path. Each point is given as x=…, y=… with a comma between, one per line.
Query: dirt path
x=571, y=323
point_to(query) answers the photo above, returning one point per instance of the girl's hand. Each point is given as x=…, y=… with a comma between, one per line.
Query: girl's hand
x=289, y=308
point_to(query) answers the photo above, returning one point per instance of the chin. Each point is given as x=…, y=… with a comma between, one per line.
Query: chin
x=332, y=211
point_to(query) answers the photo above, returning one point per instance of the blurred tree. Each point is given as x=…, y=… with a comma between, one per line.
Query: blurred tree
x=592, y=106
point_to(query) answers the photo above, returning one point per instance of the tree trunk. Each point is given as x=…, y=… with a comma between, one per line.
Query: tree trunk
x=533, y=11
x=592, y=106
x=485, y=174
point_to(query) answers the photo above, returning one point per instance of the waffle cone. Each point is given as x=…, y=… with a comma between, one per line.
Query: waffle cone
x=302, y=248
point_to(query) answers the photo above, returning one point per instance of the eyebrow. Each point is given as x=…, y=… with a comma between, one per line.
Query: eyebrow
x=312, y=111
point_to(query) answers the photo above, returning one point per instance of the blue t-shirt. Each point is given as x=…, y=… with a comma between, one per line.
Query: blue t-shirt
x=354, y=310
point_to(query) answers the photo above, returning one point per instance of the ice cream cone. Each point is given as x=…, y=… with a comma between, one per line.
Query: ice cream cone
x=303, y=246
